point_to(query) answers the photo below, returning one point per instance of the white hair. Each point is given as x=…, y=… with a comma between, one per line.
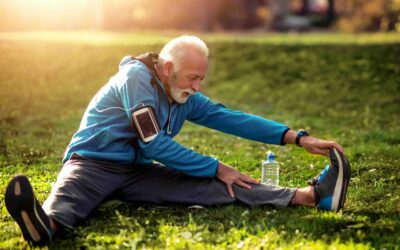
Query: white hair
x=178, y=47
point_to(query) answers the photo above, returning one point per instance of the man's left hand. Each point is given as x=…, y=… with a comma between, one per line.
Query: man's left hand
x=317, y=146
x=231, y=176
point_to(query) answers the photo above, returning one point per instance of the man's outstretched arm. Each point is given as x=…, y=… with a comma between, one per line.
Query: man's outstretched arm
x=213, y=115
x=204, y=112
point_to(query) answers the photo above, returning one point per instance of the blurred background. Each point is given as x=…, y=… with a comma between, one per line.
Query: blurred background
x=201, y=15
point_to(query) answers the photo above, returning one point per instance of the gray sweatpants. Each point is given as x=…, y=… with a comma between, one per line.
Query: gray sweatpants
x=83, y=184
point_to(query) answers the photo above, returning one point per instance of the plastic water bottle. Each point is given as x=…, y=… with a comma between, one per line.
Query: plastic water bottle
x=270, y=170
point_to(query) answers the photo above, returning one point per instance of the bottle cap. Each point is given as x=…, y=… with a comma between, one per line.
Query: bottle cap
x=270, y=156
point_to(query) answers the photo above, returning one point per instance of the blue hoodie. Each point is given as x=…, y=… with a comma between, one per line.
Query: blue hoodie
x=106, y=133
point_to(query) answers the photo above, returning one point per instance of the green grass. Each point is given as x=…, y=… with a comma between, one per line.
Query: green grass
x=341, y=87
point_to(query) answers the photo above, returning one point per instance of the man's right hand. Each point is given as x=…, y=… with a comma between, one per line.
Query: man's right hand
x=231, y=176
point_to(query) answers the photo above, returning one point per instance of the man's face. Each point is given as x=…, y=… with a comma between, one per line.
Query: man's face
x=187, y=80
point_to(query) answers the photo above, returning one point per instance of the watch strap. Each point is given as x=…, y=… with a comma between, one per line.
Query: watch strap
x=300, y=134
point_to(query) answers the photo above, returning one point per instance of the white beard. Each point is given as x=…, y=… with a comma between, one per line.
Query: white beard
x=179, y=95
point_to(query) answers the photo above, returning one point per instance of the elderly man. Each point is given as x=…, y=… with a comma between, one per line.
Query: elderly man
x=131, y=122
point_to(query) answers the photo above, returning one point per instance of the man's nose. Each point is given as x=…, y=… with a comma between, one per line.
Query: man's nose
x=196, y=86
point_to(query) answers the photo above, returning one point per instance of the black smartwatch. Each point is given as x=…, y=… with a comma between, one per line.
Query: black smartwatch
x=300, y=134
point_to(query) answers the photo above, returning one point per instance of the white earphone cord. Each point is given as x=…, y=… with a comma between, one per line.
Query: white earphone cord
x=110, y=108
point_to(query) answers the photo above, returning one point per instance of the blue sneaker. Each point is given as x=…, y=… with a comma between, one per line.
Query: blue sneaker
x=23, y=206
x=330, y=186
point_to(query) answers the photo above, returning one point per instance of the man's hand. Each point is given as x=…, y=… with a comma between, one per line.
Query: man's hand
x=311, y=144
x=231, y=176
x=318, y=146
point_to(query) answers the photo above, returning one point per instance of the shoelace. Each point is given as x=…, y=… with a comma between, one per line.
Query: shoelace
x=313, y=181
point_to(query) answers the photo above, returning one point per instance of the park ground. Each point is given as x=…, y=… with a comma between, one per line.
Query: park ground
x=340, y=87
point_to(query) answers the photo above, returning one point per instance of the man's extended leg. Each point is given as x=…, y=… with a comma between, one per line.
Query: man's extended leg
x=162, y=185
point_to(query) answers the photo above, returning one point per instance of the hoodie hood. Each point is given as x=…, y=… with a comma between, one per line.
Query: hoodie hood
x=125, y=60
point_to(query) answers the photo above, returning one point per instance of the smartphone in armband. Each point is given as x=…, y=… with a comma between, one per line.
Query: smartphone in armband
x=145, y=122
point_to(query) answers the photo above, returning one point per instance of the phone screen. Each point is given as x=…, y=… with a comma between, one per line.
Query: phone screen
x=146, y=124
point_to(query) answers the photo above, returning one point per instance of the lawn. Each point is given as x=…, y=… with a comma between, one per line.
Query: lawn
x=340, y=87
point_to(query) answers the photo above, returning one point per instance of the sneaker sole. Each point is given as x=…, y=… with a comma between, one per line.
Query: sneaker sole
x=21, y=204
x=339, y=194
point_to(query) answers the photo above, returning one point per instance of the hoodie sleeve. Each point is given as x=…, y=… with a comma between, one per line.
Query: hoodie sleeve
x=216, y=116
x=137, y=90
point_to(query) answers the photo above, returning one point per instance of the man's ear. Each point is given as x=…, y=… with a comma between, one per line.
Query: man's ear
x=168, y=68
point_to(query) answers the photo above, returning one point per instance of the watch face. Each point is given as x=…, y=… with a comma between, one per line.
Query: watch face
x=300, y=134
x=303, y=132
